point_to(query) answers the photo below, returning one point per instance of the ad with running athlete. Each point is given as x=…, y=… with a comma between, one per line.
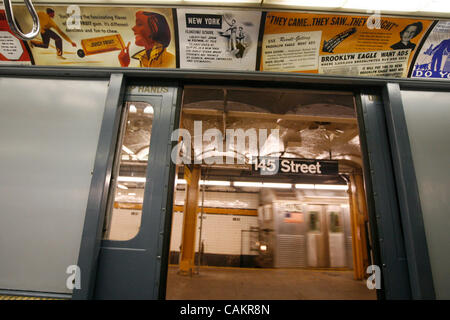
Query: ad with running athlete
x=102, y=36
x=340, y=44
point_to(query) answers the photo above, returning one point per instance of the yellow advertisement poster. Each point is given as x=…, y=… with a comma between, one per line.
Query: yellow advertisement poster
x=102, y=36
x=340, y=44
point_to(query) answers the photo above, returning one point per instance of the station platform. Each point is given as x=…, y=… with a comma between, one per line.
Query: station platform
x=221, y=283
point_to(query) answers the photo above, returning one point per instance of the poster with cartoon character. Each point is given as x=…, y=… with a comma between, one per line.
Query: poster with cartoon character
x=433, y=60
x=217, y=39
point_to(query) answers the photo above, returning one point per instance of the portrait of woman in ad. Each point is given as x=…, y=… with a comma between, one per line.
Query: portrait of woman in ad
x=153, y=33
x=409, y=32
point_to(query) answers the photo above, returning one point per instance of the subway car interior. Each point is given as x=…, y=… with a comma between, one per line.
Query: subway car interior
x=250, y=150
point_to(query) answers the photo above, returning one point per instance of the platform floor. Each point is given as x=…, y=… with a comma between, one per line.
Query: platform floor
x=216, y=283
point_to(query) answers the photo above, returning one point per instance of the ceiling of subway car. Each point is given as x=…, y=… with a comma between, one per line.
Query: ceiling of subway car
x=311, y=124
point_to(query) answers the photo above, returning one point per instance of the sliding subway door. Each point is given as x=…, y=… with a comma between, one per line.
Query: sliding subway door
x=47, y=150
x=427, y=117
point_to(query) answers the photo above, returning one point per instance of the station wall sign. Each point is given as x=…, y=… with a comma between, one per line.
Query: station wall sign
x=295, y=166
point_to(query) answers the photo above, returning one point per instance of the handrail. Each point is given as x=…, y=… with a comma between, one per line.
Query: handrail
x=12, y=23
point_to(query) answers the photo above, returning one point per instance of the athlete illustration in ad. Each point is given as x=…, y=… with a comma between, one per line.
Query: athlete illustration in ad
x=47, y=23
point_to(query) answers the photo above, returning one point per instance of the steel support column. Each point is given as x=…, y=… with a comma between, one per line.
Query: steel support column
x=187, y=252
x=358, y=271
x=359, y=217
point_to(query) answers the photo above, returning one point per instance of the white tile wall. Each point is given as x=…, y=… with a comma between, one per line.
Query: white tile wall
x=220, y=233
x=223, y=199
x=125, y=224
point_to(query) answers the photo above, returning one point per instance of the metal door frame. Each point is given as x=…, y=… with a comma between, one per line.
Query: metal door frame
x=419, y=265
x=386, y=174
x=135, y=263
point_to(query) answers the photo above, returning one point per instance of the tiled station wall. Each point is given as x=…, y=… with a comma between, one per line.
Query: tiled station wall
x=221, y=233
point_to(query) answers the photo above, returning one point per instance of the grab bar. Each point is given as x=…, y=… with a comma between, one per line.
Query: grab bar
x=12, y=23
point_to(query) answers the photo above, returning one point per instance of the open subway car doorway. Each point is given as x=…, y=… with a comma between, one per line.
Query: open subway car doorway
x=269, y=197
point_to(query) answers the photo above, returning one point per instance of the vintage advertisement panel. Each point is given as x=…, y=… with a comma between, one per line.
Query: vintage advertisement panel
x=230, y=39
x=218, y=39
x=340, y=44
x=433, y=61
x=12, y=49
x=102, y=36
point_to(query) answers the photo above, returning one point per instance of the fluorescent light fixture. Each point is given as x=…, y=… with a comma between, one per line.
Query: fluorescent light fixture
x=130, y=152
x=355, y=140
x=143, y=154
x=180, y=181
x=207, y=182
x=326, y=197
x=124, y=148
x=331, y=187
x=288, y=185
x=131, y=179
x=248, y=184
x=133, y=108
x=148, y=109
x=304, y=186
x=121, y=186
x=321, y=186
x=131, y=194
x=215, y=183
x=277, y=185
x=263, y=247
x=262, y=185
